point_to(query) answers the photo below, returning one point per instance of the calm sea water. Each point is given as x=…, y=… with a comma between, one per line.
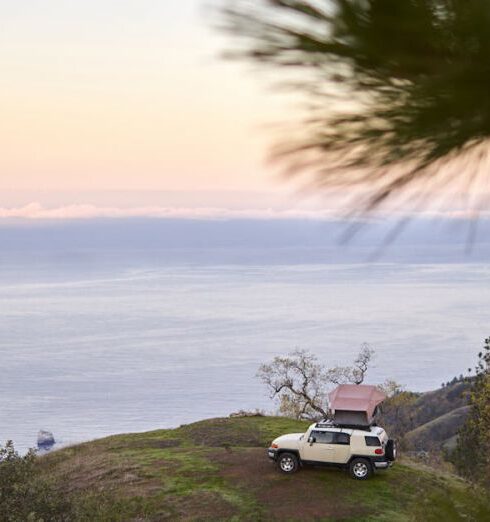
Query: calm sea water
x=95, y=348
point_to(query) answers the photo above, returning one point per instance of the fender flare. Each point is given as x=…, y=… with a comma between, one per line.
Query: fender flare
x=286, y=450
x=365, y=457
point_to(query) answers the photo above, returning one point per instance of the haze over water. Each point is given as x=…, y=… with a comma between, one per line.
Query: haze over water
x=104, y=340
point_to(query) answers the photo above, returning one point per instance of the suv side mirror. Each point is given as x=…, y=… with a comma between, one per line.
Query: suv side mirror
x=311, y=439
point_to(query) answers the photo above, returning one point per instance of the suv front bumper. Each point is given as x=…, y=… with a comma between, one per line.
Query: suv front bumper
x=272, y=453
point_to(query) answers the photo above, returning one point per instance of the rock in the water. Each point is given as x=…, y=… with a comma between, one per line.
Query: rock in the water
x=45, y=440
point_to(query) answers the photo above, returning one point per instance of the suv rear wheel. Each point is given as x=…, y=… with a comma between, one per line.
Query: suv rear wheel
x=288, y=462
x=360, y=469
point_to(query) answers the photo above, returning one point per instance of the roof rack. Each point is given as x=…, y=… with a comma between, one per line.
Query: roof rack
x=325, y=423
x=331, y=424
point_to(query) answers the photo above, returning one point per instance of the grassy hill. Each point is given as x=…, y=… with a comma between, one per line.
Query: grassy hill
x=218, y=470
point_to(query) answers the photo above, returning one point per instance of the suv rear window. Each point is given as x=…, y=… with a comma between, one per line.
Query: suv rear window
x=372, y=441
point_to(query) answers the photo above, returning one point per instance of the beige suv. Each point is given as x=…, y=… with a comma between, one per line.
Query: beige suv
x=360, y=450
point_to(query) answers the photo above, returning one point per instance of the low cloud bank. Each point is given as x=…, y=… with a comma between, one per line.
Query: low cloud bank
x=36, y=211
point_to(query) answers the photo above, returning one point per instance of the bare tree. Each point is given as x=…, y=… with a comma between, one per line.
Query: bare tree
x=298, y=380
x=354, y=374
x=391, y=388
x=301, y=383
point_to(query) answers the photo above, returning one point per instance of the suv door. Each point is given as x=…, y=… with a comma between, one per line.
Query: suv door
x=318, y=447
x=327, y=446
x=341, y=443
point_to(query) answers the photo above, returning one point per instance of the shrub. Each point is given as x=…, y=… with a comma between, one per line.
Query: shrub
x=472, y=455
x=25, y=495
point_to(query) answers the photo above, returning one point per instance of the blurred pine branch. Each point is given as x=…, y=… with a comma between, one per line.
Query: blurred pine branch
x=398, y=91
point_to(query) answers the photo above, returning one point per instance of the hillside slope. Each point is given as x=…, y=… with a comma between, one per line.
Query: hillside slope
x=439, y=431
x=428, y=421
x=437, y=403
x=218, y=470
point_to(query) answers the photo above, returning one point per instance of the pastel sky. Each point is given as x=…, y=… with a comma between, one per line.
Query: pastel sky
x=127, y=95
x=127, y=104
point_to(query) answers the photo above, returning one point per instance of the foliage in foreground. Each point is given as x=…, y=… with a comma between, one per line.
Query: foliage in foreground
x=472, y=456
x=25, y=495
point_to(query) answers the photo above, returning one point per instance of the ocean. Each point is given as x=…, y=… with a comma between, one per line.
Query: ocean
x=95, y=344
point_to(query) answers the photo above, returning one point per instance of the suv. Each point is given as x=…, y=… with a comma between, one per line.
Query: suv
x=360, y=450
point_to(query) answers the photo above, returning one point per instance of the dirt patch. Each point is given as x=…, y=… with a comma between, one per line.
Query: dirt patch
x=310, y=494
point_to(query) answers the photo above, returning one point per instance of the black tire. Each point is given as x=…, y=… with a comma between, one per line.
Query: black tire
x=360, y=469
x=288, y=463
x=391, y=450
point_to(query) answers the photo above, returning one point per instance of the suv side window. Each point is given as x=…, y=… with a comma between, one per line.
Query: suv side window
x=342, y=438
x=323, y=437
x=331, y=437
x=372, y=441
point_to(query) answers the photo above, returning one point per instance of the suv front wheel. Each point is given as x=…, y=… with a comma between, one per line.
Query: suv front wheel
x=360, y=469
x=288, y=463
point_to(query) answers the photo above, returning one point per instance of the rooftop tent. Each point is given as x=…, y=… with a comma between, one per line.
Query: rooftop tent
x=355, y=404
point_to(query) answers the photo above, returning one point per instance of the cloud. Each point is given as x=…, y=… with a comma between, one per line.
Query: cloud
x=36, y=211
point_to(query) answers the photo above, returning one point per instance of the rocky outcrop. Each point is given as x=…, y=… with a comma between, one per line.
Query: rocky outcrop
x=45, y=440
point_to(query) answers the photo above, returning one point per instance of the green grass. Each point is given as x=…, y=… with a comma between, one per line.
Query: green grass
x=218, y=470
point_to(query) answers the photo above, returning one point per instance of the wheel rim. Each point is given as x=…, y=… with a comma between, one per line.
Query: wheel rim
x=360, y=469
x=287, y=464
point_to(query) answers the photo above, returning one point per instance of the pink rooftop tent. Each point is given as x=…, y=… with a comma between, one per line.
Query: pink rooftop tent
x=355, y=403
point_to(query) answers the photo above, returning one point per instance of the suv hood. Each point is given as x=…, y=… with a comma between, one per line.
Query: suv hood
x=288, y=440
